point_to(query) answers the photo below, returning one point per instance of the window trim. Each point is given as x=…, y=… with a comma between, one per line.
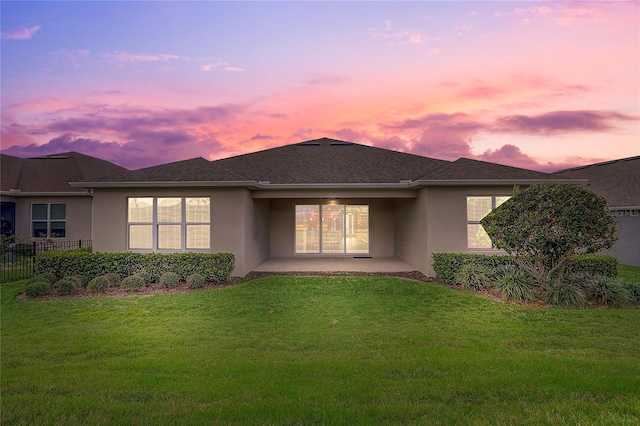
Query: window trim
x=494, y=205
x=48, y=220
x=155, y=225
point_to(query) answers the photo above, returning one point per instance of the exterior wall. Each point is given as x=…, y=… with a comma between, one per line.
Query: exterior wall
x=78, y=211
x=411, y=231
x=232, y=219
x=446, y=212
x=627, y=248
x=282, y=225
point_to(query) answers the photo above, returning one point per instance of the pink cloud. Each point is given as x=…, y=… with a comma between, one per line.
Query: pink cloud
x=561, y=122
x=20, y=33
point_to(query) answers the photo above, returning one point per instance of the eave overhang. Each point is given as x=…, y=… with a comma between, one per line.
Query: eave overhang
x=266, y=185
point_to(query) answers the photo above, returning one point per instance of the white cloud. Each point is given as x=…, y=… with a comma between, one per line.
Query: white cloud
x=122, y=56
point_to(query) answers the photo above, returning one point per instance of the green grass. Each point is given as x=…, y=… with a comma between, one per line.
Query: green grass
x=631, y=273
x=316, y=350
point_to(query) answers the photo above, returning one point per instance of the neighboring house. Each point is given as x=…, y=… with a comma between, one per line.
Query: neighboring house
x=321, y=197
x=37, y=200
x=618, y=182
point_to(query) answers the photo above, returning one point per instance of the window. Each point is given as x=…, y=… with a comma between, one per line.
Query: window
x=169, y=223
x=477, y=208
x=48, y=220
x=8, y=218
x=332, y=229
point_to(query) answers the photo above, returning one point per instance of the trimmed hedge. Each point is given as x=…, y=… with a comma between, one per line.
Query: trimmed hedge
x=447, y=264
x=215, y=267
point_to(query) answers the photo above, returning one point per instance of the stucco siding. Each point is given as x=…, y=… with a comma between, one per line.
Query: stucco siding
x=78, y=216
x=627, y=248
x=447, y=220
x=229, y=209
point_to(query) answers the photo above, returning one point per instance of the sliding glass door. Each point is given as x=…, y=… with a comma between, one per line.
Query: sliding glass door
x=332, y=229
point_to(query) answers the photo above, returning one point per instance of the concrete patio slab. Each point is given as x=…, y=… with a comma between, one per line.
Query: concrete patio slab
x=333, y=264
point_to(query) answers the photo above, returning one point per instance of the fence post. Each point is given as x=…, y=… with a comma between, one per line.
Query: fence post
x=79, y=243
x=33, y=260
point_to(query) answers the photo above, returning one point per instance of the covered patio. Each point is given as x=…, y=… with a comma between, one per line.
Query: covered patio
x=333, y=264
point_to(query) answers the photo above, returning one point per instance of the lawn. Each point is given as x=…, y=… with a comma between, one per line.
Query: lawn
x=316, y=350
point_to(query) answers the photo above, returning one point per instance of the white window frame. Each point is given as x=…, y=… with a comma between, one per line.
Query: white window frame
x=155, y=225
x=49, y=220
x=494, y=205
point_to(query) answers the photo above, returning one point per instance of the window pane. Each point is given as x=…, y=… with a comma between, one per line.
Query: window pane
x=198, y=210
x=140, y=237
x=477, y=208
x=39, y=229
x=58, y=211
x=332, y=229
x=141, y=209
x=169, y=237
x=198, y=236
x=357, y=229
x=307, y=229
x=477, y=238
x=39, y=212
x=169, y=210
x=58, y=229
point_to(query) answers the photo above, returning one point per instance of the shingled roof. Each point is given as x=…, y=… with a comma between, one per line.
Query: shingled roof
x=51, y=173
x=616, y=181
x=321, y=162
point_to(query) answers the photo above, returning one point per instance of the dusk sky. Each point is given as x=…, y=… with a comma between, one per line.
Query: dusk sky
x=543, y=85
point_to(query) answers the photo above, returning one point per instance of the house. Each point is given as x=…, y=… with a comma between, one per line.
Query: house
x=321, y=198
x=618, y=182
x=37, y=200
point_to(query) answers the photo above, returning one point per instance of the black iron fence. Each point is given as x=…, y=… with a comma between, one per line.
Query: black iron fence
x=17, y=260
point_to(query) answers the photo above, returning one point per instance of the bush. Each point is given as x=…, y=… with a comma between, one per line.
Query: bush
x=133, y=283
x=564, y=294
x=65, y=286
x=474, y=276
x=113, y=279
x=195, y=280
x=37, y=288
x=515, y=283
x=215, y=267
x=97, y=284
x=447, y=264
x=608, y=291
x=80, y=280
x=169, y=279
x=49, y=278
x=633, y=288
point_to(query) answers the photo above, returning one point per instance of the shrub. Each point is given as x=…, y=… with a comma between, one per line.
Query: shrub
x=564, y=294
x=633, y=288
x=113, y=279
x=37, y=288
x=100, y=283
x=49, y=278
x=80, y=280
x=215, y=267
x=195, y=280
x=65, y=286
x=474, y=276
x=447, y=264
x=515, y=283
x=133, y=283
x=169, y=279
x=608, y=291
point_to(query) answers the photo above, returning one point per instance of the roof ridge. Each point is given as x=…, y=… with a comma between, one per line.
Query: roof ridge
x=602, y=163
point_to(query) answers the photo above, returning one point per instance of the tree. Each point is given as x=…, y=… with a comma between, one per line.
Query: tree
x=542, y=226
